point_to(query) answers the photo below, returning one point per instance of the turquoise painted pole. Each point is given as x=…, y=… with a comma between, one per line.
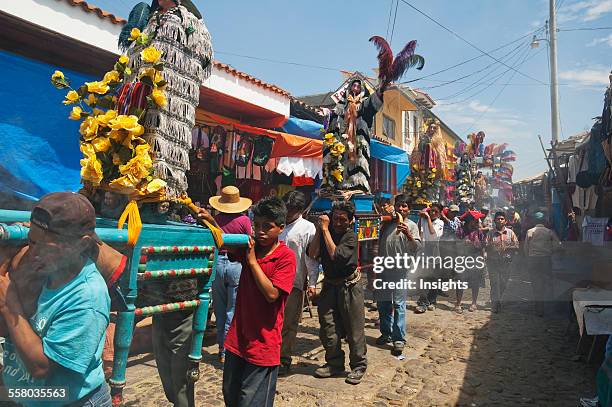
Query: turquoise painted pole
x=19, y=233
x=7, y=216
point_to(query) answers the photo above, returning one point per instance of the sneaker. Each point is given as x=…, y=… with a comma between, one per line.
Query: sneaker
x=355, y=376
x=473, y=308
x=458, y=309
x=383, y=340
x=326, y=371
x=420, y=309
x=589, y=402
x=398, y=348
x=431, y=307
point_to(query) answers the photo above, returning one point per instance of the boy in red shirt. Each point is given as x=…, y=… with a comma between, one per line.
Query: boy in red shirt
x=253, y=342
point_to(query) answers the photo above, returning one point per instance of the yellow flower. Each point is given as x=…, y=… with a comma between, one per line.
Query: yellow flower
x=155, y=185
x=89, y=128
x=337, y=149
x=97, y=87
x=330, y=139
x=58, y=76
x=71, y=97
x=105, y=118
x=116, y=159
x=87, y=149
x=159, y=98
x=150, y=55
x=134, y=34
x=124, y=184
x=111, y=76
x=137, y=168
x=123, y=59
x=142, y=149
x=98, y=112
x=91, y=169
x=128, y=71
x=101, y=144
x=91, y=100
x=75, y=114
x=337, y=174
x=129, y=123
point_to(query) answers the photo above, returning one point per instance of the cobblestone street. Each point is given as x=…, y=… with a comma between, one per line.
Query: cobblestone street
x=474, y=359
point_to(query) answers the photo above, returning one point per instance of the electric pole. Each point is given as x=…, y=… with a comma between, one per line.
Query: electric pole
x=554, y=89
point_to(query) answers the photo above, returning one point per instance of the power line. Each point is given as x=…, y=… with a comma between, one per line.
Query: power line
x=471, y=44
x=474, y=58
x=279, y=61
x=389, y=19
x=394, y=18
x=584, y=29
x=498, y=94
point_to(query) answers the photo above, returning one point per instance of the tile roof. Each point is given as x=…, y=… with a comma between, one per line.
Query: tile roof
x=93, y=9
x=233, y=71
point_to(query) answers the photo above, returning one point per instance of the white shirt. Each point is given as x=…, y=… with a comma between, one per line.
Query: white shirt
x=297, y=236
x=438, y=226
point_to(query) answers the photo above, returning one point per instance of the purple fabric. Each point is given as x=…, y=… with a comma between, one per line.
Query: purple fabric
x=234, y=223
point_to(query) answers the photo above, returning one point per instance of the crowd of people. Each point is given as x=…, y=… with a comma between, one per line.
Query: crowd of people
x=258, y=292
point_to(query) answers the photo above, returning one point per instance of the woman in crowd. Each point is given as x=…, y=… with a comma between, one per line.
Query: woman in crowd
x=472, y=246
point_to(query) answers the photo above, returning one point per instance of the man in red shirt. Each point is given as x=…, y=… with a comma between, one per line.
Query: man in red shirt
x=253, y=342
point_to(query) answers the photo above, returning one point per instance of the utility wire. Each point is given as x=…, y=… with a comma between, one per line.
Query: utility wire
x=471, y=44
x=389, y=19
x=393, y=26
x=584, y=29
x=279, y=62
x=474, y=58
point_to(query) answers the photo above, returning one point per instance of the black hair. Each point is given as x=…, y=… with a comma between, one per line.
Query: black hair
x=436, y=205
x=295, y=200
x=347, y=207
x=500, y=213
x=271, y=208
x=402, y=199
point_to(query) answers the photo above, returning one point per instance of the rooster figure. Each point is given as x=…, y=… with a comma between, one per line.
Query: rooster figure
x=391, y=69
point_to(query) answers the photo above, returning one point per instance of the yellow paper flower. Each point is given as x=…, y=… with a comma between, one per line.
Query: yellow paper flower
x=123, y=59
x=101, y=144
x=135, y=34
x=58, y=76
x=129, y=123
x=98, y=112
x=87, y=149
x=337, y=174
x=75, y=114
x=159, y=98
x=330, y=139
x=105, y=118
x=97, y=87
x=71, y=97
x=150, y=55
x=156, y=185
x=91, y=170
x=123, y=184
x=111, y=76
x=91, y=100
x=337, y=149
x=137, y=168
x=89, y=128
x=128, y=71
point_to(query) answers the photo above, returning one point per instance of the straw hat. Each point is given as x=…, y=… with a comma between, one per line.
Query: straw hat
x=230, y=201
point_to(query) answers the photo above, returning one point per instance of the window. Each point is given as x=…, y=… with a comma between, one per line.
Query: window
x=388, y=127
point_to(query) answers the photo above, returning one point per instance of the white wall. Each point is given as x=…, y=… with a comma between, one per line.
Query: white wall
x=74, y=22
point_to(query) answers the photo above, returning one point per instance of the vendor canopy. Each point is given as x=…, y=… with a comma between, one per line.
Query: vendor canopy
x=39, y=147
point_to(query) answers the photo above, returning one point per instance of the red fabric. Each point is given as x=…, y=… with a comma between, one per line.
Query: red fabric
x=117, y=273
x=255, y=332
x=302, y=181
x=475, y=214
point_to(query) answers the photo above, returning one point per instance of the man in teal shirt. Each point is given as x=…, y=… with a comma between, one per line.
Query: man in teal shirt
x=60, y=345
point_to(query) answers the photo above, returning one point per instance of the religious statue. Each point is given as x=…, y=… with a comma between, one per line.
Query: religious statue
x=346, y=148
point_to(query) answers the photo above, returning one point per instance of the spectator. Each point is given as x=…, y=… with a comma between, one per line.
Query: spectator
x=486, y=223
x=431, y=227
x=61, y=345
x=501, y=247
x=341, y=302
x=395, y=238
x=231, y=219
x=540, y=243
x=573, y=230
x=253, y=342
x=472, y=247
x=297, y=235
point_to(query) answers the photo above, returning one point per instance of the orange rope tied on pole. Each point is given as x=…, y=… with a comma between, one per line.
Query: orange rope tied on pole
x=132, y=215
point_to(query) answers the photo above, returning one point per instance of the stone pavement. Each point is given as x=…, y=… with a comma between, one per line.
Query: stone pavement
x=475, y=359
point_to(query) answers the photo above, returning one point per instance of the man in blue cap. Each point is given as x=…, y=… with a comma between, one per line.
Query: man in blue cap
x=539, y=246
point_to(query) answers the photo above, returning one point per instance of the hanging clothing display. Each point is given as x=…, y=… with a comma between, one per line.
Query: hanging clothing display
x=593, y=230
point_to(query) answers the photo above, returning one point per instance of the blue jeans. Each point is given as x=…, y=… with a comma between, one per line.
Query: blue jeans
x=99, y=398
x=224, y=290
x=393, y=319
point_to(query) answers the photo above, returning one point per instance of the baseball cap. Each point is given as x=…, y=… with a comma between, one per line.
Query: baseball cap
x=66, y=214
x=453, y=208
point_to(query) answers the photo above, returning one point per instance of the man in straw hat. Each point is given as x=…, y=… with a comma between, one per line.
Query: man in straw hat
x=231, y=219
x=61, y=344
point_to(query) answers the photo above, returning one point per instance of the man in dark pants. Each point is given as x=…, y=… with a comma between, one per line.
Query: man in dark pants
x=341, y=302
x=501, y=245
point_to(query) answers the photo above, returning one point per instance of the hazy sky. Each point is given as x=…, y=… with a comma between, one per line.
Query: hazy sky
x=485, y=95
